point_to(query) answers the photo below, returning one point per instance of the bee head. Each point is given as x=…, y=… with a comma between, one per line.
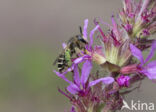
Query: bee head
x=81, y=39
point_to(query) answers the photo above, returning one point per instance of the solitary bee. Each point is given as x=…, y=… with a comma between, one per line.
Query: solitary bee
x=74, y=46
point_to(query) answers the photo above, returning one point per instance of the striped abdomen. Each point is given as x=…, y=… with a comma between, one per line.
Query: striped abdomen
x=61, y=63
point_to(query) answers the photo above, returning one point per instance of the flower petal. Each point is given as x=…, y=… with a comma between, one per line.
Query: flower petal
x=85, y=29
x=87, y=66
x=100, y=30
x=64, y=45
x=91, y=36
x=62, y=76
x=81, y=59
x=76, y=75
x=105, y=80
x=137, y=53
x=123, y=80
x=75, y=62
x=104, y=23
x=72, y=109
x=150, y=70
x=153, y=48
x=115, y=28
x=151, y=64
x=73, y=89
x=78, y=60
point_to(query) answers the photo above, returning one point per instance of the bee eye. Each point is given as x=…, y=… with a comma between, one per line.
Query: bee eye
x=81, y=39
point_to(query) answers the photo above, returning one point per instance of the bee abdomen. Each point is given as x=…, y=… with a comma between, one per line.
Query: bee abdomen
x=60, y=67
x=61, y=63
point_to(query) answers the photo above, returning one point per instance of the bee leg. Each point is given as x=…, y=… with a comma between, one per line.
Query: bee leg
x=77, y=50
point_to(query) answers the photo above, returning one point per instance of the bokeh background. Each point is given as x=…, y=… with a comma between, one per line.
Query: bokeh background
x=31, y=34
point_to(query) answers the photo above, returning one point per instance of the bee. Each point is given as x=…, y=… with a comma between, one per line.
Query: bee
x=75, y=45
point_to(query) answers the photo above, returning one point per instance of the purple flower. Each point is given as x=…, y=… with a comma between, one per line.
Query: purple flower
x=72, y=109
x=92, y=51
x=85, y=29
x=79, y=83
x=123, y=81
x=91, y=33
x=137, y=16
x=116, y=34
x=147, y=69
x=64, y=45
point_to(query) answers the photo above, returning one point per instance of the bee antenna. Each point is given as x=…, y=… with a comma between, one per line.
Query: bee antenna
x=80, y=28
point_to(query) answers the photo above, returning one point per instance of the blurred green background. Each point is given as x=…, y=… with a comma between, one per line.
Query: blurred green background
x=31, y=34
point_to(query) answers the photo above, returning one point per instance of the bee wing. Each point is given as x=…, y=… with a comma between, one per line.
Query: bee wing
x=54, y=63
x=56, y=60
